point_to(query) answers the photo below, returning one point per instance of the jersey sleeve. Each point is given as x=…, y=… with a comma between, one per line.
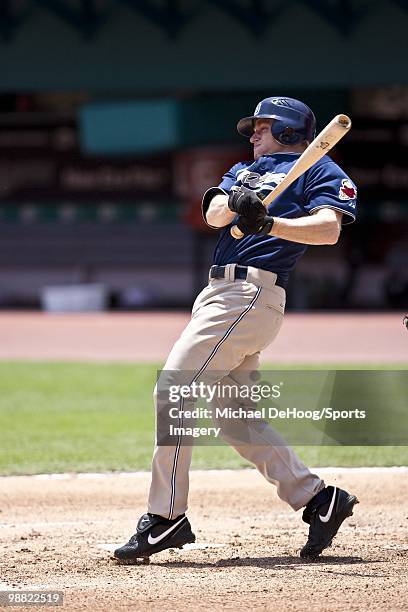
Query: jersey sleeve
x=228, y=180
x=327, y=186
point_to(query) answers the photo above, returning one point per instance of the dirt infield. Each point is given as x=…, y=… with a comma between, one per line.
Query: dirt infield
x=51, y=531
x=148, y=337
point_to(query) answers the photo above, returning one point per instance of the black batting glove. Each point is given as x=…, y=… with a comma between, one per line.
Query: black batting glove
x=247, y=227
x=260, y=226
x=266, y=226
x=246, y=203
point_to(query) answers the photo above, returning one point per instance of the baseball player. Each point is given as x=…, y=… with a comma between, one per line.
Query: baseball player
x=240, y=312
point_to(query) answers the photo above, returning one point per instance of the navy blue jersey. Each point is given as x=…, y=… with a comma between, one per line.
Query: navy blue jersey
x=324, y=185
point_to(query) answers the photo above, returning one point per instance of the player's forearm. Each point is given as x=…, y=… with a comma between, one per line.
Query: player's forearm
x=218, y=213
x=317, y=229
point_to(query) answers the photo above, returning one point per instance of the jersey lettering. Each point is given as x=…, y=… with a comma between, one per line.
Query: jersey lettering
x=254, y=180
x=249, y=178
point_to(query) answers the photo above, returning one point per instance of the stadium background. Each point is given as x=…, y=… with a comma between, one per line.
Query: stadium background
x=114, y=118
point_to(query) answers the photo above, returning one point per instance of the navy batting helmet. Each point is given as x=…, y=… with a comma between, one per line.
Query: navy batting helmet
x=294, y=121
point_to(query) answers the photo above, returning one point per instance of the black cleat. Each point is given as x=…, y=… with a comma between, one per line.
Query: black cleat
x=325, y=513
x=153, y=534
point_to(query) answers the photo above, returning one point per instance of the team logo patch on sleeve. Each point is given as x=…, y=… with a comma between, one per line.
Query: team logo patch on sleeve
x=347, y=190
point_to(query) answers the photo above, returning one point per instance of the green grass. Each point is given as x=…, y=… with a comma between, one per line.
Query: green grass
x=58, y=417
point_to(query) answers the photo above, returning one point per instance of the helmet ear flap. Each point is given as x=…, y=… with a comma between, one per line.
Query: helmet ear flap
x=286, y=136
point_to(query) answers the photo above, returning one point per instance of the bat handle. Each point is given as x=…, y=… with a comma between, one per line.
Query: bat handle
x=236, y=232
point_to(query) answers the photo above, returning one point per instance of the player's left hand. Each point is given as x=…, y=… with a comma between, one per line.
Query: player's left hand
x=260, y=226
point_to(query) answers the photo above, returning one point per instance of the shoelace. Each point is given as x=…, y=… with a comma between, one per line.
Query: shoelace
x=133, y=539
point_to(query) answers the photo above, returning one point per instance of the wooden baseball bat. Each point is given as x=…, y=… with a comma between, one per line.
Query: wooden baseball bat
x=324, y=141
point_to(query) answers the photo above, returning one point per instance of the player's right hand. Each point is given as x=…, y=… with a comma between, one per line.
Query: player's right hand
x=246, y=203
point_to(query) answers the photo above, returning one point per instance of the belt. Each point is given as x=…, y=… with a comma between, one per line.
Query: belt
x=240, y=272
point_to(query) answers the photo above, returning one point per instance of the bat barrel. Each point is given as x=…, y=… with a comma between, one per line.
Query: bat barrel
x=344, y=121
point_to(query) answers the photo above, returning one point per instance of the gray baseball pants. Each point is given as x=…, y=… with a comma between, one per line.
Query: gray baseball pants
x=232, y=322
